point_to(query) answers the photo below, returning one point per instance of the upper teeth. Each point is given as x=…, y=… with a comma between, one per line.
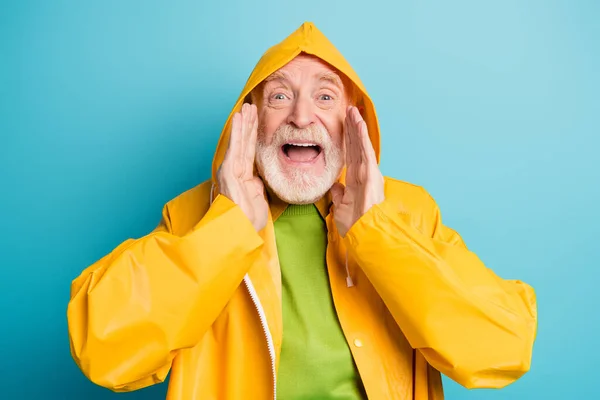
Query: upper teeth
x=302, y=144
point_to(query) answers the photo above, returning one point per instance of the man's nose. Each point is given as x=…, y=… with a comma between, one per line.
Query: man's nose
x=302, y=114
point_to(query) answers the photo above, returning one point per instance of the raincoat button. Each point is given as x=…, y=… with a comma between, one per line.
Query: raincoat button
x=358, y=343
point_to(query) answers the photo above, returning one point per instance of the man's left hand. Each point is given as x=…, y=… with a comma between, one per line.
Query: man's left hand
x=364, y=182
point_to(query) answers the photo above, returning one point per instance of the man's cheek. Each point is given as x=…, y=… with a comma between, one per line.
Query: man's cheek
x=271, y=135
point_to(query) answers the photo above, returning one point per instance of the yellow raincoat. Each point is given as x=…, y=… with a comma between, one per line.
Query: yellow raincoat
x=200, y=296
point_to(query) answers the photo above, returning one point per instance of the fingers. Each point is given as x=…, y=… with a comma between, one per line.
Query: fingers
x=353, y=148
x=242, y=140
x=347, y=140
x=234, y=147
x=250, y=137
x=353, y=141
x=368, y=152
x=358, y=122
x=359, y=136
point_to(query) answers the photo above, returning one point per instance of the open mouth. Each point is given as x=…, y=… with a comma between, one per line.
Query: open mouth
x=301, y=152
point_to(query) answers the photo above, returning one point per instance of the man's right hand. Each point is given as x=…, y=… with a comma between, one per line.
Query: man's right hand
x=236, y=175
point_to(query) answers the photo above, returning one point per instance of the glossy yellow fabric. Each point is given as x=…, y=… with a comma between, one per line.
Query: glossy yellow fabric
x=421, y=301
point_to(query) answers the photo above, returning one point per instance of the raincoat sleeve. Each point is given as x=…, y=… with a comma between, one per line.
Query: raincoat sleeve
x=132, y=310
x=468, y=323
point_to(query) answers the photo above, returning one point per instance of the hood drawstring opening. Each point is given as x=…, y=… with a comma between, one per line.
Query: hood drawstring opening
x=349, y=281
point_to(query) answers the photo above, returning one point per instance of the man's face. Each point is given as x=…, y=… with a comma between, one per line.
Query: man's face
x=301, y=111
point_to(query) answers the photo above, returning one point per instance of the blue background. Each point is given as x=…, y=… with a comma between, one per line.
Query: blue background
x=109, y=109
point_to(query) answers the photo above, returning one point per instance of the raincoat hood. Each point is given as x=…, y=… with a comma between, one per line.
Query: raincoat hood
x=306, y=39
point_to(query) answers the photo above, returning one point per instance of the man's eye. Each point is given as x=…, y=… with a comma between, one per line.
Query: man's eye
x=279, y=96
x=325, y=97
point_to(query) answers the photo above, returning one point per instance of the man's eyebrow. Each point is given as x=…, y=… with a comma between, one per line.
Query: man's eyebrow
x=333, y=78
x=277, y=76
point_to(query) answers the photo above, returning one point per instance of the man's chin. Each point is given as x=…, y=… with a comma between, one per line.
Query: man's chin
x=296, y=186
x=299, y=192
x=302, y=200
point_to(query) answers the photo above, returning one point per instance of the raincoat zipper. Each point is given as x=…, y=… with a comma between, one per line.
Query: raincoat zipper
x=263, y=322
x=261, y=315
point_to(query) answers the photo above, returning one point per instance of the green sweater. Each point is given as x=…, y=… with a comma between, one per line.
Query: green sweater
x=316, y=362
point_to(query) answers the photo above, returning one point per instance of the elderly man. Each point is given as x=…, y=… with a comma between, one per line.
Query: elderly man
x=298, y=271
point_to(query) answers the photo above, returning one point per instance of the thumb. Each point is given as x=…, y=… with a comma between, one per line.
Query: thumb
x=260, y=187
x=337, y=193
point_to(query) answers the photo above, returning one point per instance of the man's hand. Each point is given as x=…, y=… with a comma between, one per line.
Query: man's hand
x=236, y=175
x=364, y=182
